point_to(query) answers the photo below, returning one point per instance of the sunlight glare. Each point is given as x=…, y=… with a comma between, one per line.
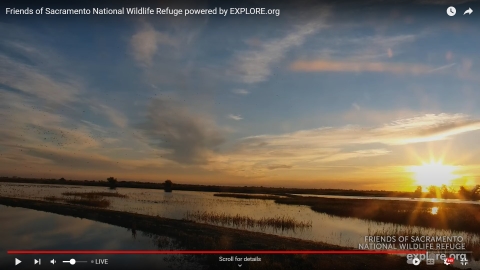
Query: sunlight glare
x=433, y=174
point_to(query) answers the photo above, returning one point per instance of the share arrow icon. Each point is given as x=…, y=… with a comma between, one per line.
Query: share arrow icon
x=468, y=11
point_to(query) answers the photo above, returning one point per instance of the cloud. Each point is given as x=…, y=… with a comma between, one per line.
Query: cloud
x=240, y=92
x=275, y=167
x=312, y=149
x=190, y=138
x=235, y=117
x=254, y=66
x=145, y=43
x=114, y=115
x=34, y=80
x=443, y=67
x=355, y=154
x=424, y=128
x=347, y=66
x=364, y=48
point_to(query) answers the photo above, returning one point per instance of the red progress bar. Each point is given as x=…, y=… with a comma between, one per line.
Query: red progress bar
x=221, y=252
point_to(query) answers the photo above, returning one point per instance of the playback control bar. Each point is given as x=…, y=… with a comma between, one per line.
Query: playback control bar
x=71, y=261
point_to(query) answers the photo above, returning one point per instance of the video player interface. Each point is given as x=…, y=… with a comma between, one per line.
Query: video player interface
x=240, y=134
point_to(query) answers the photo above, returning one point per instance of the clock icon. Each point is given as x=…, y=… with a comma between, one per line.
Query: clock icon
x=451, y=11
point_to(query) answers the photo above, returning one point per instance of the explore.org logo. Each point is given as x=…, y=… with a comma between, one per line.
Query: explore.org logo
x=431, y=258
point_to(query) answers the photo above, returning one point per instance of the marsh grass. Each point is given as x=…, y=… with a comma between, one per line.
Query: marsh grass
x=94, y=195
x=87, y=201
x=280, y=222
x=102, y=203
x=448, y=216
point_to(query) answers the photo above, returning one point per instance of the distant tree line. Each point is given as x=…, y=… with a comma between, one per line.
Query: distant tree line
x=446, y=192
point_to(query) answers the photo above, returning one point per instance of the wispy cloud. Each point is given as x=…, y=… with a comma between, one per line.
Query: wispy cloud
x=443, y=67
x=411, y=130
x=254, y=66
x=36, y=81
x=279, y=166
x=115, y=116
x=240, y=92
x=235, y=117
x=364, y=48
x=344, y=66
x=145, y=43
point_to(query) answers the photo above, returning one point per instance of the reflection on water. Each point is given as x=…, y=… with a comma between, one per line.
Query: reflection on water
x=34, y=230
x=324, y=228
x=391, y=198
x=434, y=210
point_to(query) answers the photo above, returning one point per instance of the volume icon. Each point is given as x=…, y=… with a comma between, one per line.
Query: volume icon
x=53, y=261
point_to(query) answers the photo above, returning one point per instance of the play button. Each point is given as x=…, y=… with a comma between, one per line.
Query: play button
x=17, y=261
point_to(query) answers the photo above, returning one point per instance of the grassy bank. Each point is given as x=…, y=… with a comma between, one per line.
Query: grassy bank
x=196, y=236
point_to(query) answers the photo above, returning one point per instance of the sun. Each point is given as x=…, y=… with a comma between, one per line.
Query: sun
x=433, y=174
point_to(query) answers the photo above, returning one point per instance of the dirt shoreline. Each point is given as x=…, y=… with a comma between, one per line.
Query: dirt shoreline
x=196, y=236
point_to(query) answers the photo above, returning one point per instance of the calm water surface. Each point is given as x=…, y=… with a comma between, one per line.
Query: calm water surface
x=391, y=198
x=25, y=229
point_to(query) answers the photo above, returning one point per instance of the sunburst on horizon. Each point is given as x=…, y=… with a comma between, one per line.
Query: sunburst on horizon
x=434, y=173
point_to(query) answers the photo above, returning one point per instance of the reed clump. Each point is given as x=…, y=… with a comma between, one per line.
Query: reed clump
x=279, y=222
x=102, y=203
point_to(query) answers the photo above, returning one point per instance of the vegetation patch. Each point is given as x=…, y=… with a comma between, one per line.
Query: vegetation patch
x=102, y=203
x=449, y=216
x=281, y=223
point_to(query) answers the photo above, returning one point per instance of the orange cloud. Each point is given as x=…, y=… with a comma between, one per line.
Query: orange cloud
x=350, y=66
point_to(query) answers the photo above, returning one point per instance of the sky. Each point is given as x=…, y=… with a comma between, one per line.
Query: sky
x=348, y=95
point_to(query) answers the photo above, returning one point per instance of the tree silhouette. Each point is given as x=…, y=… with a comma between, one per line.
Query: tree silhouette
x=167, y=186
x=444, y=192
x=432, y=191
x=418, y=191
x=464, y=193
x=112, y=181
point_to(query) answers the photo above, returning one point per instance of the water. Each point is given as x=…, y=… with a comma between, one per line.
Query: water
x=35, y=230
x=391, y=198
x=347, y=232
